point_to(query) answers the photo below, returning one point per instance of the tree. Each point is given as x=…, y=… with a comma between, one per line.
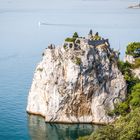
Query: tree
x=75, y=35
x=133, y=49
x=90, y=32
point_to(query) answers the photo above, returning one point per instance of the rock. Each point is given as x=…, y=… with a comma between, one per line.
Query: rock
x=136, y=72
x=77, y=86
x=129, y=58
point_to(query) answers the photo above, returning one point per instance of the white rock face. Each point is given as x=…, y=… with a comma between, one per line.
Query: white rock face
x=77, y=85
x=136, y=72
x=129, y=58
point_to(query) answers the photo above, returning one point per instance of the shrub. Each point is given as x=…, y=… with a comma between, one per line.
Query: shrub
x=75, y=35
x=78, y=60
x=136, y=63
x=83, y=138
x=133, y=49
x=65, y=46
x=40, y=69
x=96, y=37
x=70, y=39
x=125, y=128
x=135, y=96
x=122, y=108
x=73, y=38
x=124, y=66
x=110, y=112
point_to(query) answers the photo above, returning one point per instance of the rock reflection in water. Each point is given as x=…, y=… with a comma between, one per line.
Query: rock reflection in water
x=39, y=130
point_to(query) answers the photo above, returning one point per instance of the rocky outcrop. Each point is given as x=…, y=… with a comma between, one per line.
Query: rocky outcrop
x=136, y=72
x=77, y=84
x=129, y=58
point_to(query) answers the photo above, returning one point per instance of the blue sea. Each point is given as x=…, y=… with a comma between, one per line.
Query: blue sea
x=22, y=42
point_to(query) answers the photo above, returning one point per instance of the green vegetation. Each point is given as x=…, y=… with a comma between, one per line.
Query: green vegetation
x=125, y=68
x=96, y=37
x=78, y=61
x=135, y=96
x=64, y=46
x=133, y=49
x=132, y=83
x=70, y=39
x=73, y=38
x=127, y=127
x=75, y=35
x=136, y=63
x=40, y=69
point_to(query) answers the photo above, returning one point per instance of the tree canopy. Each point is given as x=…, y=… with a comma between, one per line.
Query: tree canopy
x=75, y=35
x=133, y=49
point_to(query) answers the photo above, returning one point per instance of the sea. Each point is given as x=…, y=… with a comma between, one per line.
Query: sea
x=23, y=39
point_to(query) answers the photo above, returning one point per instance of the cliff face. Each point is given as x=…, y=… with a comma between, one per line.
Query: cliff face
x=136, y=72
x=77, y=83
x=131, y=60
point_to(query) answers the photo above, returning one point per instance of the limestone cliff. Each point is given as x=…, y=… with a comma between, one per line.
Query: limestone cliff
x=132, y=60
x=78, y=82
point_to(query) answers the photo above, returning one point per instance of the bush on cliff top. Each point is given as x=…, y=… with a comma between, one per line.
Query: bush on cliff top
x=73, y=38
x=70, y=39
x=133, y=49
x=136, y=63
x=75, y=35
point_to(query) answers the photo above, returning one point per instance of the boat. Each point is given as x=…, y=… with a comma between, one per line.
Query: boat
x=137, y=6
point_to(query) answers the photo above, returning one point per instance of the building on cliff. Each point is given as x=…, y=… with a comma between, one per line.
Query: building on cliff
x=93, y=39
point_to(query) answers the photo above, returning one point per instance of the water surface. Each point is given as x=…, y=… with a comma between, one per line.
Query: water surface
x=40, y=131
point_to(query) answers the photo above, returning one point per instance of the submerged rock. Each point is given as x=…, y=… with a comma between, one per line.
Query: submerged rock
x=77, y=84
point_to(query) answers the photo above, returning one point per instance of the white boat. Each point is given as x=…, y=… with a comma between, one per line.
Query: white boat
x=137, y=6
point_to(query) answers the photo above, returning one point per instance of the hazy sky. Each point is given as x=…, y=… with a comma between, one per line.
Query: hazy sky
x=51, y=4
x=59, y=4
x=20, y=18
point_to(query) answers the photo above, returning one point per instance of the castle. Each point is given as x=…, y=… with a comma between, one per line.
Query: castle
x=92, y=39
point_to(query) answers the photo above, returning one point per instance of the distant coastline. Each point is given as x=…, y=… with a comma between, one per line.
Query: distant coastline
x=136, y=6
